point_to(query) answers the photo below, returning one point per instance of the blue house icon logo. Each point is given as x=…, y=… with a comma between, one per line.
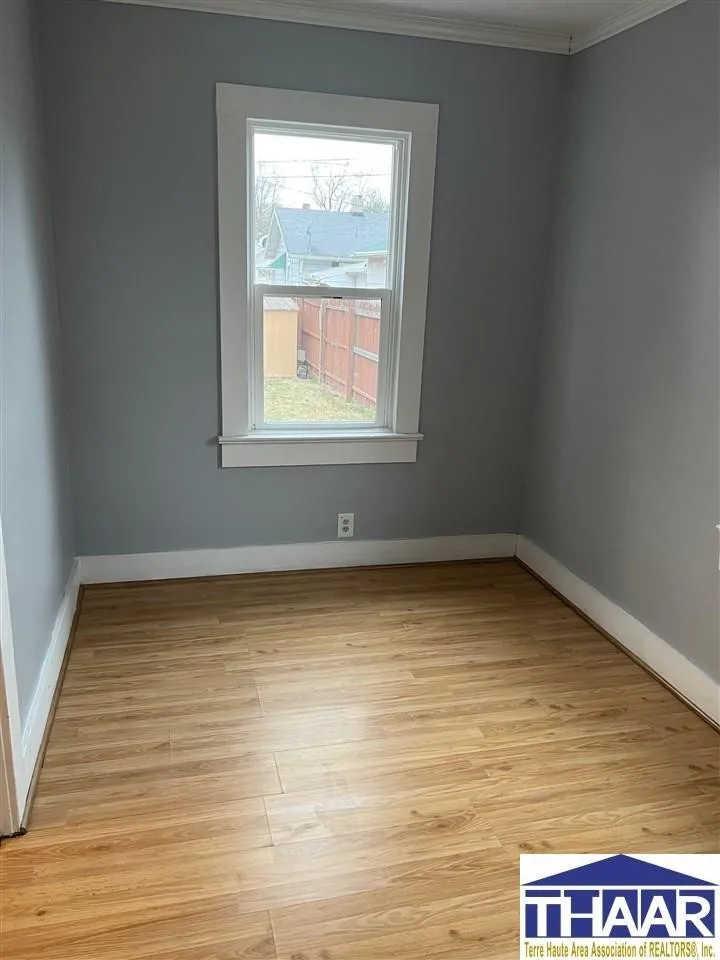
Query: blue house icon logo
x=620, y=897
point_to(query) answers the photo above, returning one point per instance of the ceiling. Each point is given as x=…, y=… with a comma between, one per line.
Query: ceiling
x=557, y=26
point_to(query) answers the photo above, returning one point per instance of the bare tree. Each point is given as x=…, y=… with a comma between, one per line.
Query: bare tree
x=334, y=187
x=374, y=201
x=267, y=194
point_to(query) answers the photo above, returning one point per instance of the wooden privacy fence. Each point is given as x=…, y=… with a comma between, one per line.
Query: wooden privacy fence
x=341, y=342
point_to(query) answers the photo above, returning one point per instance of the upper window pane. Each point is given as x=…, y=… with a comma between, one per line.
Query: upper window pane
x=322, y=210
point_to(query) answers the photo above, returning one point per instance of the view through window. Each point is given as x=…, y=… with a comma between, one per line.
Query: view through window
x=332, y=376
x=322, y=215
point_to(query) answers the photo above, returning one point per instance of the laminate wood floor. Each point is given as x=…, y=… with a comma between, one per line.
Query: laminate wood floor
x=338, y=766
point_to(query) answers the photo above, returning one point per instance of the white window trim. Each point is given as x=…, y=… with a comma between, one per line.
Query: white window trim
x=240, y=446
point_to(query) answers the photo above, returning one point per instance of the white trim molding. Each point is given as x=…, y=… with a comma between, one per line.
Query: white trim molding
x=12, y=780
x=326, y=13
x=664, y=660
x=308, y=450
x=38, y=716
x=293, y=556
x=642, y=11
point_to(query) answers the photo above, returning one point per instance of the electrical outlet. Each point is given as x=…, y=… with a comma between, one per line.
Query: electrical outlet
x=346, y=525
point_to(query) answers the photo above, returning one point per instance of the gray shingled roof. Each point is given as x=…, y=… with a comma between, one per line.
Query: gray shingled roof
x=324, y=233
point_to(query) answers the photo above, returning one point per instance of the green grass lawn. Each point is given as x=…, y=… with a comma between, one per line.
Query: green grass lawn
x=292, y=400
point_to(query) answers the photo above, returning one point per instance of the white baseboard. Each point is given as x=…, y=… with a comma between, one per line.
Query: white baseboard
x=292, y=556
x=38, y=715
x=689, y=680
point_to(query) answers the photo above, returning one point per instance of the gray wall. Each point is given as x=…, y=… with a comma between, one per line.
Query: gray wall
x=34, y=483
x=129, y=96
x=624, y=486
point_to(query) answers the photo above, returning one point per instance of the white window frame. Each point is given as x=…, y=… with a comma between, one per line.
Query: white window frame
x=245, y=440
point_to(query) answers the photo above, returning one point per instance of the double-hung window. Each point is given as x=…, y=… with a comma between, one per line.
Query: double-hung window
x=325, y=208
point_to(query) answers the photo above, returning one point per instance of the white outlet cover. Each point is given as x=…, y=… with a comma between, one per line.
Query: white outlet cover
x=346, y=525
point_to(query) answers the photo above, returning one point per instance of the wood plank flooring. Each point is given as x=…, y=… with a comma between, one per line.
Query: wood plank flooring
x=338, y=766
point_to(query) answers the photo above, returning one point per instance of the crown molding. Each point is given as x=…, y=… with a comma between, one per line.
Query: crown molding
x=324, y=13
x=642, y=11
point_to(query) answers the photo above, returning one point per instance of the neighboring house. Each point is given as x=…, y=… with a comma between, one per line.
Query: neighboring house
x=368, y=270
x=326, y=248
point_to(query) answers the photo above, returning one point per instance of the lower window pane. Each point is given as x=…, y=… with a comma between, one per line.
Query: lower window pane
x=320, y=359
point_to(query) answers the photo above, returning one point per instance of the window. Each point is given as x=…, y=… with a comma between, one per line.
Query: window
x=325, y=206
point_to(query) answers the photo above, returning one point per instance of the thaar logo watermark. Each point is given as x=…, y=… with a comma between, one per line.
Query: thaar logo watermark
x=620, y=906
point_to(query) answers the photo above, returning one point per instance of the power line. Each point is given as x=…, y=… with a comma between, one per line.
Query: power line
x=326, y=176
x=311, y=160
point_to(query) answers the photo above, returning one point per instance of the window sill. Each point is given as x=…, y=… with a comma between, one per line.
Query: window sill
x=310, y=449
